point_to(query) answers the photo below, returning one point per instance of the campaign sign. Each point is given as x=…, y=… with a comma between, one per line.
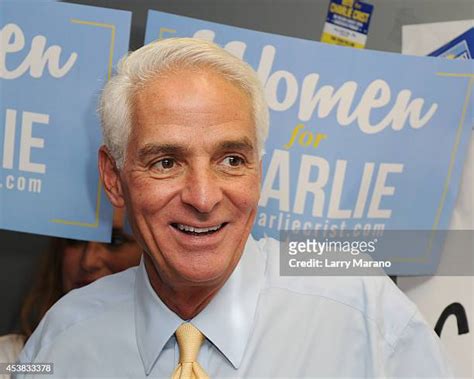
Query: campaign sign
x=461, y=47
x=54, y=60
x=360, y=141
x=347, y=23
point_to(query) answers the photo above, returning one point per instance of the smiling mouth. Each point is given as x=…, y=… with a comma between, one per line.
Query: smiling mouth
x=195, y=231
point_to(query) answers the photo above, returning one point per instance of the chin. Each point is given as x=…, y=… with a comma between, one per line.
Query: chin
x=206, y=277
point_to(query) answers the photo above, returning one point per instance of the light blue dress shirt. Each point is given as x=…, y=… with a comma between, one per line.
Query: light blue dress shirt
x=259, y=325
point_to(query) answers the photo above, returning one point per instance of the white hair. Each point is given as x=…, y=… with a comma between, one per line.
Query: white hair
x=135, y=69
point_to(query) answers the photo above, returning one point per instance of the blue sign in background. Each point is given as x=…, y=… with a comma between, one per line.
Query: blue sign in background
x=358, y=26
x=418, y=169
x=460, y=47
x=52, y=116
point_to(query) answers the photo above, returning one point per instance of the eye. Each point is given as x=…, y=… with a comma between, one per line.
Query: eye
x=233, y=161
x=117, y=240
x=164, y=164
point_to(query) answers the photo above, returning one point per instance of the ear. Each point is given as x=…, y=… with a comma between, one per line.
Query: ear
x=110, y=176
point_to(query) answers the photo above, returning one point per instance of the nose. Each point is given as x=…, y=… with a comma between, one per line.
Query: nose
x=202, y=190
x=92, y=259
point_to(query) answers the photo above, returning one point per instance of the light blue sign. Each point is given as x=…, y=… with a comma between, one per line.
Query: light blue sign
x=54, y=60
x=360, y=141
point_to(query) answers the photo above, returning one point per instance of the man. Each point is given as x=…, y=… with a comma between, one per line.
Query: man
x=184, y=125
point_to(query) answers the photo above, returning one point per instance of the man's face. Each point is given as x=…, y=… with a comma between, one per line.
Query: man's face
x=191, y=179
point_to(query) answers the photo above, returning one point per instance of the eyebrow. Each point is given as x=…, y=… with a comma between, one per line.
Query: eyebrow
x=152, y=149
x=149, y=150
x=243, y=144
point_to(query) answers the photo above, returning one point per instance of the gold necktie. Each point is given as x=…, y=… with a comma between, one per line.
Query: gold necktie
x=189, y=340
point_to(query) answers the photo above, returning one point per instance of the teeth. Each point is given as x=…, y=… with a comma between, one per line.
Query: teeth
x=187, y=228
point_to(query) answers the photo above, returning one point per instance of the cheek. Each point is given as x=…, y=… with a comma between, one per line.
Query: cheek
x=146, y=196
x=70, y=264
x=126, y=257
x=246, y=196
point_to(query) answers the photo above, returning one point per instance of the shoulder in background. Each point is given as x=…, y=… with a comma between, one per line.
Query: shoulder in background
x=10, y=347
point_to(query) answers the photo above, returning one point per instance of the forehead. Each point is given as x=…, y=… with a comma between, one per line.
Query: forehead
x=198, y=100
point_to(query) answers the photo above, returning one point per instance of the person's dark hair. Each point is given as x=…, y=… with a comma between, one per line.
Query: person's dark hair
x=46, y=290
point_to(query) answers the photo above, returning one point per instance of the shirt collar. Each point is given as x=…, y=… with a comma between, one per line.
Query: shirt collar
x=227, y=320
x=155, y=323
